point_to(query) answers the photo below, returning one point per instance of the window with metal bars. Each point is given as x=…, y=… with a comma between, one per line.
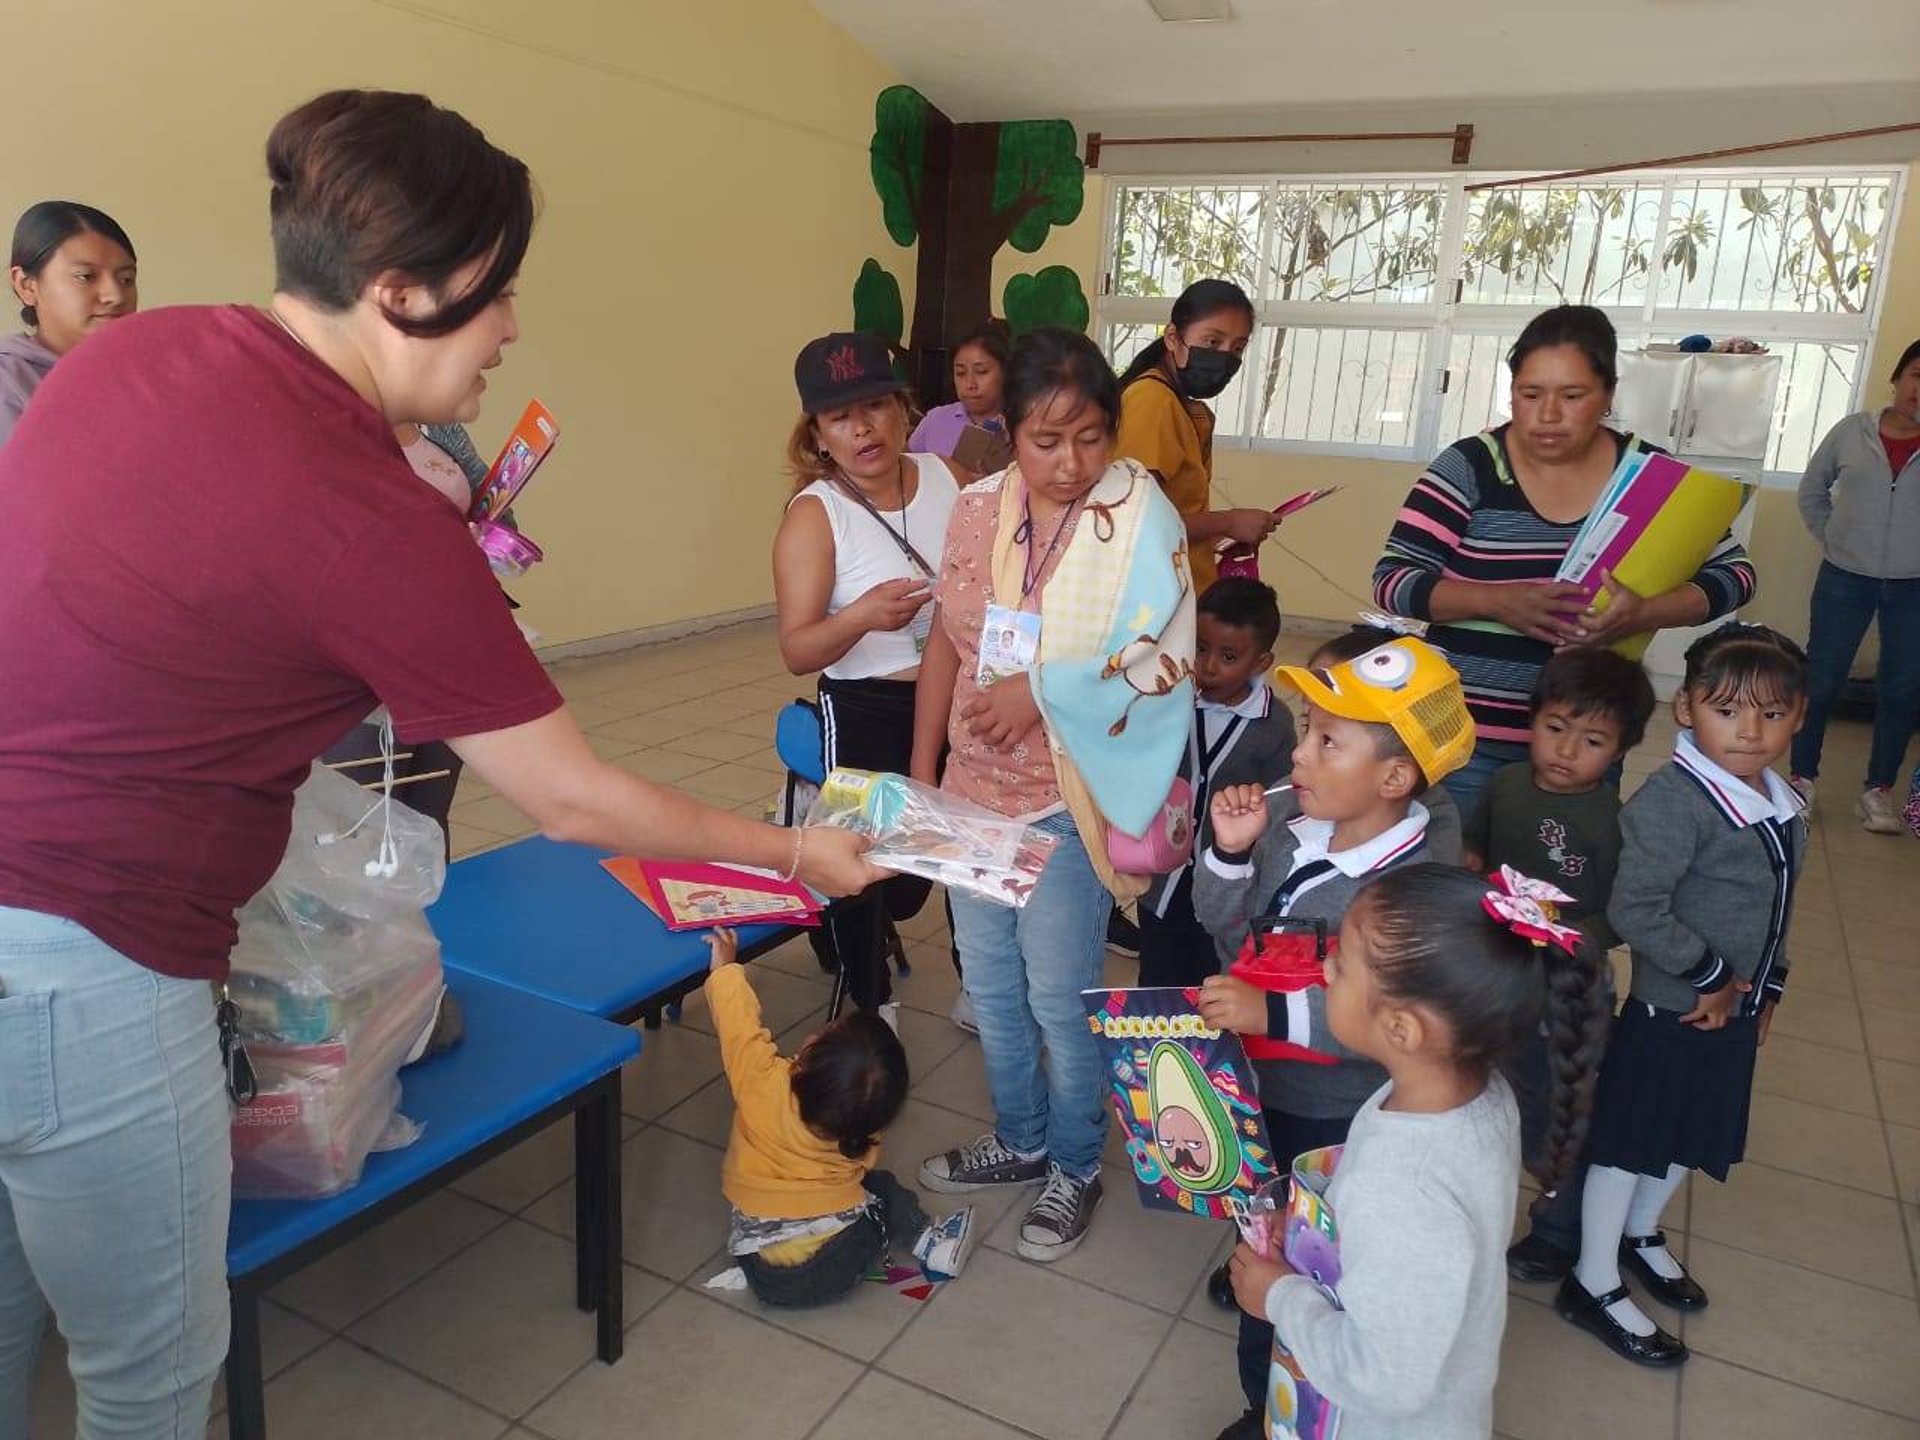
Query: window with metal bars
x=1386, y=304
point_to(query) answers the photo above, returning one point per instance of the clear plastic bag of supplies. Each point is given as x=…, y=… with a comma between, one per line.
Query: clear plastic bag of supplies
x=917, y=830
x=337, y=977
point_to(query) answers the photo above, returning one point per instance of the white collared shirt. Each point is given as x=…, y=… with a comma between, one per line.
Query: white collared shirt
x=1215, y=717
x=1311, y=838
x=1735, y=798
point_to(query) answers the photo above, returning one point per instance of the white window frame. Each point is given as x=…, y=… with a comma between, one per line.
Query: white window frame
x=1441, y=319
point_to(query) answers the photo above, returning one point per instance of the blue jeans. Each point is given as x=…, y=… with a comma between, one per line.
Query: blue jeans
x=115, y=1179
x=1844, y=604
x=1024, y=971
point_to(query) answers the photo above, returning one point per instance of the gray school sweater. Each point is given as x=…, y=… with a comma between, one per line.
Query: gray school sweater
x=1230, y=891
x=1867, y=517
x=1424, y=1207
x=1703, y=896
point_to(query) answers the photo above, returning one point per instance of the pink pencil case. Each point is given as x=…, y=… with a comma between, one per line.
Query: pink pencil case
x=510, y=553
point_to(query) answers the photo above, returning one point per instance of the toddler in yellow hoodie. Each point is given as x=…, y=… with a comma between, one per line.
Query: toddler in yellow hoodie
x=811, y=1216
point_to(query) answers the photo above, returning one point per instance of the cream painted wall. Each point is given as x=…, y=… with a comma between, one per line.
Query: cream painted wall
x=706, y=208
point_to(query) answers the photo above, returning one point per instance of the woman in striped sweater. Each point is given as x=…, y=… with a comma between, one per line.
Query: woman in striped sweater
x=1477, y=544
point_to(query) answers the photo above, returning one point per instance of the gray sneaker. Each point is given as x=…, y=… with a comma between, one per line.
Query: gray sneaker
x=1058, y=1220
x=1876, y=812
x=984, y=1164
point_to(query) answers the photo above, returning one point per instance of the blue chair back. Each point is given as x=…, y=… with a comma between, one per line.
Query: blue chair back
x=798, y=741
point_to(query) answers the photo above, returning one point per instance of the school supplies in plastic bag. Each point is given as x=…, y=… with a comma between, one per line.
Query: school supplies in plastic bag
x=337, y=977
x=917, y=830
x=1310, y=1241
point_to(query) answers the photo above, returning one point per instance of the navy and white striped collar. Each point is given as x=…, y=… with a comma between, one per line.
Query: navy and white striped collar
x=1733, y=797
x=1311, y=838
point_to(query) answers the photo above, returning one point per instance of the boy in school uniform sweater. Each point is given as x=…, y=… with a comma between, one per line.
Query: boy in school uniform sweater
x=1242, y=734
x=1380, y=729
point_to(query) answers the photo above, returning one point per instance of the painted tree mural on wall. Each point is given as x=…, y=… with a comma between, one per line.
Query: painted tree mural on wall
x=960, y=193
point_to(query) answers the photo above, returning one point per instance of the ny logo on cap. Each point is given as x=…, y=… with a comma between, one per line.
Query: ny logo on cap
x=843, y=364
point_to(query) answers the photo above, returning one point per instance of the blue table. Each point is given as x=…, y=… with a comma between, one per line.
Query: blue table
x=545, y=918
x=523, y=1064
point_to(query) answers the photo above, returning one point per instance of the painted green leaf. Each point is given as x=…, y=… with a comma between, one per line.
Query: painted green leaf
x=877, y=307
x=1051, y=297
x=898, y=158
x=1040, y=177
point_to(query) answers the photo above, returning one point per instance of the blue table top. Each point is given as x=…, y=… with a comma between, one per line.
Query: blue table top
x=545, y=918
x=520, y=1056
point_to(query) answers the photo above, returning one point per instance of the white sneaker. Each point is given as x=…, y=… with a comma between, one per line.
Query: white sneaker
x=962, y=1013
x=1876, y=812
x=942, y=1247
x=1804, y=789
x=890, y=1012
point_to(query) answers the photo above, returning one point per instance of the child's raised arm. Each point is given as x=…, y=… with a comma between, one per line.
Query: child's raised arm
x=1235, y=875
x=747, y=1051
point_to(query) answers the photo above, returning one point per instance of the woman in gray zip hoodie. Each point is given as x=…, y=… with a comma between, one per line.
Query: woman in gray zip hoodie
x=1861, y=499
x=73, y=270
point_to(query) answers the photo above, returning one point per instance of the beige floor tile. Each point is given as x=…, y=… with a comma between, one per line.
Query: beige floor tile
x=341, y=1390
x=858, y=1325
x=339, y=1288
x=930, y=1040
x=513, y=1181
x=1827, y=1144
x=1824, y=1019
x=1888, y=987
x=1818, y=1074
x=495, y=814
x=1899, y=1091
x=606, y=747
x=649, y=729
x=999, y=1341
x=933, y=986
x=1559, y=1383
x=959, y=1084
x=497, y=1324
x=1892, y=1035
x=882, y=1408
x=695, y=1367
x=668, y=767
x=1770, y=1212
x=1152, y=1257
x=1191, y=1389
x=1807, y=1329
x=1200, y=1309
x=674, y=1061
x=785, y=1000
x=469, y=839
x=590, y=714
x=670, y=1197
x=719, y=745
x=1720, y=1400
x=1820, y=972
x=1893, y=944
x=1904, y=1142
x=733, y=783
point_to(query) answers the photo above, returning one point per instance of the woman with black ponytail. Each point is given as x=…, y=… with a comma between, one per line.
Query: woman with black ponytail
x=1166, y=424
x=1441, y=978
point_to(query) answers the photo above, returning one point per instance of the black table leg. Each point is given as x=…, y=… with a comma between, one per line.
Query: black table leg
x=601, y=1251
x=246, y=1383
x=587, y=1227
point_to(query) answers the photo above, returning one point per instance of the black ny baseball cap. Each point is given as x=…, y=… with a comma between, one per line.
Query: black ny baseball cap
x=841, y=368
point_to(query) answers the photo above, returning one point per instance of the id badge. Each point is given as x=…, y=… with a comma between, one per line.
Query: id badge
x=1009, y=643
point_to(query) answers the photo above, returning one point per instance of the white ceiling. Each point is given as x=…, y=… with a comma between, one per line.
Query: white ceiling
x=1004, y=59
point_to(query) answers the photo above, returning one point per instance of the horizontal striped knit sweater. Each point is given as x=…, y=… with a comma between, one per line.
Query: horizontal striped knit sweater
x=1467, y=519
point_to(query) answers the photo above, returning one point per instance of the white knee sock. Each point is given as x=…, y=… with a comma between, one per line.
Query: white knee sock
x=1650, y=1197
x=1603, y=1220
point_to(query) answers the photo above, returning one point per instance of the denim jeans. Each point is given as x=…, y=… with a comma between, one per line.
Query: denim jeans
x=838, y=1266
x=1844, y=604
x=1025, y=970
x=115, y=1179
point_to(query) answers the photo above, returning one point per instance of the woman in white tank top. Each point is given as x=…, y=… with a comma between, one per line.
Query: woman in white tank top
x=852, y=577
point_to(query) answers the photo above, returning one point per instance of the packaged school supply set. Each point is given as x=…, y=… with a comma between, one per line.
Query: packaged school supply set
x=508, y=552
x=336, y=976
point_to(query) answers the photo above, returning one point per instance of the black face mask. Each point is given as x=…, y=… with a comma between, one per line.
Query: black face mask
x=1207, y=373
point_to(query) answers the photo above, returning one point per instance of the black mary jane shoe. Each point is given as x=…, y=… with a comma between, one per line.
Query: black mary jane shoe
x=1534, y=1261
x=1220, y=1289
x=1658, y=1350
x=1250, y=1426
x=1682, y=1294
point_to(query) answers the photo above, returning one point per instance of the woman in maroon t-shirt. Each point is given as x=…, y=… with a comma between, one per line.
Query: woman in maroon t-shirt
x=196, y=608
